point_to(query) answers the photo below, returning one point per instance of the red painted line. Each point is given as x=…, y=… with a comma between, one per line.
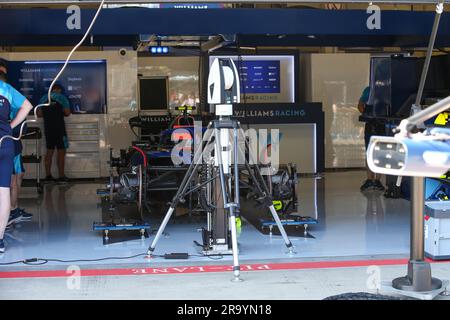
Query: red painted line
x=199, y=269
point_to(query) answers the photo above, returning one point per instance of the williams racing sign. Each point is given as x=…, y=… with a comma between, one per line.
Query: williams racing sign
x=279, y=113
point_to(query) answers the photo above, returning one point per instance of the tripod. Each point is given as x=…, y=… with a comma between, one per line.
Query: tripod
x=229, y=185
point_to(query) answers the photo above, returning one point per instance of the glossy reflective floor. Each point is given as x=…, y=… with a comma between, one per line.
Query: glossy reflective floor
x=351, y=224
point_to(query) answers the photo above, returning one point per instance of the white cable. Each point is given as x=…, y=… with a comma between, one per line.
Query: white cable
x=440, y=8
x=56, y=78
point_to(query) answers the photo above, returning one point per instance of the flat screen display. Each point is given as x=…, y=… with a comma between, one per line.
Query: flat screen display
x=260, y=76
x=83, y=82
x=153, y=94
x=265, y=78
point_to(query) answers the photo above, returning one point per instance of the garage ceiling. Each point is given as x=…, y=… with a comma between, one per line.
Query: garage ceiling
x=251, y=27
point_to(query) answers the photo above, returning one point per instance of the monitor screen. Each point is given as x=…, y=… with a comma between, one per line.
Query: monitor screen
x=153, y=93
x=265, y=78
x=83, y=82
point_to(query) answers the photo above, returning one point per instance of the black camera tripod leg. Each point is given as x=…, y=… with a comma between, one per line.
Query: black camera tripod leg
x=263, y=191
x=189, y=176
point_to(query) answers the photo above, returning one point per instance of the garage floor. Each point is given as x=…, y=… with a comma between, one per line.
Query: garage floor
x=350, y=224
x=352, y=227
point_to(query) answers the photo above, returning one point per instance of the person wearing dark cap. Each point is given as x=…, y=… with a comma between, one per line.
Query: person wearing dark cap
x=55, y=130
x=372, y=128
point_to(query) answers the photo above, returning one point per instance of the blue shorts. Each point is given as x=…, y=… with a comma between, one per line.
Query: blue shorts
x=6, y=166
x=18, y=167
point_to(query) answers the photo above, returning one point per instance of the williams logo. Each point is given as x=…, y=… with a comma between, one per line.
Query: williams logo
x=270, y=113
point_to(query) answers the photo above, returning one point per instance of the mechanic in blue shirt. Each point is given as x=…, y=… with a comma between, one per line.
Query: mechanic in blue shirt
x=372, y=127
x=55, y=130
x=10, y=101
x=17, y=214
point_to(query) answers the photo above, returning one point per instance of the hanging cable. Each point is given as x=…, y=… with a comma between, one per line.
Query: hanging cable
x=55, y=79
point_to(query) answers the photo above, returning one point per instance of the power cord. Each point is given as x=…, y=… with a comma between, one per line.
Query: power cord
x=217, y=257
x=42, y=261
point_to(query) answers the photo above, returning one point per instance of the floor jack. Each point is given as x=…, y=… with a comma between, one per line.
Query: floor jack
x=118, y=214
x=113, y=223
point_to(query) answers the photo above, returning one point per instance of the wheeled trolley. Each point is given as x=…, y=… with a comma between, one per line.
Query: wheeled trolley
x=35, y=133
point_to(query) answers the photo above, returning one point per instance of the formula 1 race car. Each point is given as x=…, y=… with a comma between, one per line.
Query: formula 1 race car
x=144, y=178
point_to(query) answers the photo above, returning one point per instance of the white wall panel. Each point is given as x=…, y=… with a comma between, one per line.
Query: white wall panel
x=337, y=80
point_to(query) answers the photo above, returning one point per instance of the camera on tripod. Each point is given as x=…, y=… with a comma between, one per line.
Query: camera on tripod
x=223, y=86
x=222, y=169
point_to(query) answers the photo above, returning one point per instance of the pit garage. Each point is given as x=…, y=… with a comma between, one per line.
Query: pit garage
x=298, y=149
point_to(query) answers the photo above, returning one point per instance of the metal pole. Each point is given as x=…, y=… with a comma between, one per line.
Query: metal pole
x=419, y=116
x=417, y=224
x=426, y=65
x=417, y=188
x=419, y=277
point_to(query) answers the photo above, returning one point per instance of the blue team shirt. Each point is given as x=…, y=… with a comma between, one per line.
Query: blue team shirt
x=10, y=102
x=365, y=95
x=57, y=97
